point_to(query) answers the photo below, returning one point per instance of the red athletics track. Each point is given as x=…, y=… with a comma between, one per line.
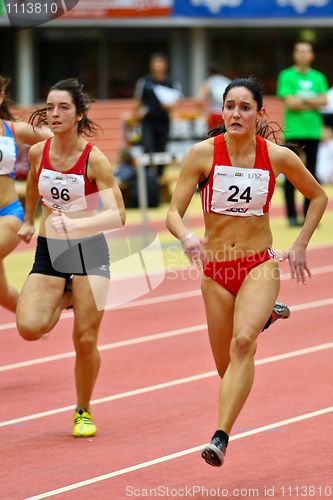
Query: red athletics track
x=155, y=404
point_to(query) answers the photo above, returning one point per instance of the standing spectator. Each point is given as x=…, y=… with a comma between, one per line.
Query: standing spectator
x=303, y=90
x=210, y=95
x=327, y=111
x=156, y=95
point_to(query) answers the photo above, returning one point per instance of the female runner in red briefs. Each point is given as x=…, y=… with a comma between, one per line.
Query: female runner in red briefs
x=68, y=173
x=236, y=172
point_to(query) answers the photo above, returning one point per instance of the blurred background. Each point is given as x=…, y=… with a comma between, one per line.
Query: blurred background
x=107, y=43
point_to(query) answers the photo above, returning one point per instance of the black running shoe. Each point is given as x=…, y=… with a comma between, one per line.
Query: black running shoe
x=280, y=311
x=214, y=452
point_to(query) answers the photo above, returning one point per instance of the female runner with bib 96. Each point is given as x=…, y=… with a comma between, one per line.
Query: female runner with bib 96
x=69, y=174
x=12, y=135
x=236, y=171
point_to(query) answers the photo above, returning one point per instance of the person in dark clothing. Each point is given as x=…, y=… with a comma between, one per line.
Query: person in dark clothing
x=156, y=94
x=126, y=174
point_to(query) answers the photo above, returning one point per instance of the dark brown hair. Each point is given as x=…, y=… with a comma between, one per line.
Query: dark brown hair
x=265, y=128
x=81, y=101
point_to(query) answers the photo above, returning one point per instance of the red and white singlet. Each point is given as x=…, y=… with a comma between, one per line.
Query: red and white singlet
x=232, y=190
x=66, y=191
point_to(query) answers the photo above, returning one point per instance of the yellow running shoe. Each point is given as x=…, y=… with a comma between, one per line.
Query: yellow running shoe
x=83, y=424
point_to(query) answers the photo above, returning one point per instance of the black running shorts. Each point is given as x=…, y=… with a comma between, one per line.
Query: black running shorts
x=63, y=258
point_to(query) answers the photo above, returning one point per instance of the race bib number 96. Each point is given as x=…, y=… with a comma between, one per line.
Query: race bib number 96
x=61, y=191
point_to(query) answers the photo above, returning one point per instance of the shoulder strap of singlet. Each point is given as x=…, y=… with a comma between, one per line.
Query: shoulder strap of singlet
x=221, y=156
x=9, y=132
x=85, y=158
x=45, y=160
x=7, y=129
x=262, y=158
x=218, y=156
x=263, y=161
x=86, y=152
x=11, y=126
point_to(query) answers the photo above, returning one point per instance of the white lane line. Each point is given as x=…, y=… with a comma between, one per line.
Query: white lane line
x=193, y=293
x=293, y=354
x=146, y=338
x=188, y=451
x=129, y=305
x=166, y=385
x=106, y=347
x=114, y=397
x=166, y=298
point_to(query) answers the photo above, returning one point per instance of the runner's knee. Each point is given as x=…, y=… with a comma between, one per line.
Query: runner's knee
x=30, y=330
x=243, y=345
x=85, y=343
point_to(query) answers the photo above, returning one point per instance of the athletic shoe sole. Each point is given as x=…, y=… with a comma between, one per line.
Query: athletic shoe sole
x=280, y=311
x=213, y=455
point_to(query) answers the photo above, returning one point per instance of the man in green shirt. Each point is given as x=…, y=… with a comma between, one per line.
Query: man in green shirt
x=303, y=90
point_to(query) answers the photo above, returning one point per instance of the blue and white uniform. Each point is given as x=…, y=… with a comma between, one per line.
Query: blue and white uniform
x=8, y=151
x=8, y=157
